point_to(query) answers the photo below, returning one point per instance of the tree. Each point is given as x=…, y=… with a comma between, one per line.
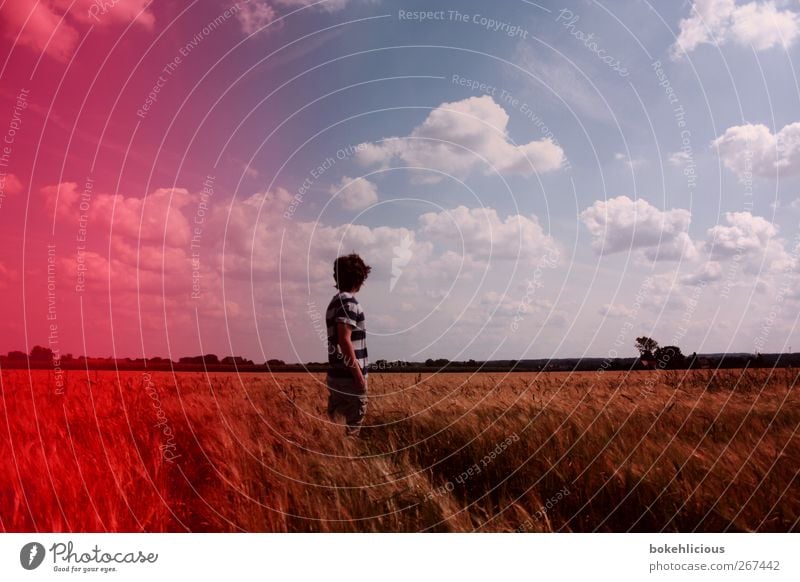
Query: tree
x=646, y=346
x=40, y=353
x=669, y=357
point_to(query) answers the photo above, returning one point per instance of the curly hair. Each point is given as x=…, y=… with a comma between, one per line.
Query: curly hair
x=350, y=272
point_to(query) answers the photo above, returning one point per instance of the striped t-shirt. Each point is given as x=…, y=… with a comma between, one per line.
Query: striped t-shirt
x=344, y=308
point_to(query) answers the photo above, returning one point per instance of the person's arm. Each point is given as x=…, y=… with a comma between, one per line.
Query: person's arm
x=348, y=351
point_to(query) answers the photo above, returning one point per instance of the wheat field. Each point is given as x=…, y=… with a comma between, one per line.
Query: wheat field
x=699, y=450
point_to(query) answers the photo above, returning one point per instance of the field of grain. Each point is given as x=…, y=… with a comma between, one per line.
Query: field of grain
x=640, y=451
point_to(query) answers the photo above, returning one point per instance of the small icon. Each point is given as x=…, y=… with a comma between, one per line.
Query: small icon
x=32, y=555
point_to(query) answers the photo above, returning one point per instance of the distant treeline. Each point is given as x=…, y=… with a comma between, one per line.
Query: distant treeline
x=662, y=358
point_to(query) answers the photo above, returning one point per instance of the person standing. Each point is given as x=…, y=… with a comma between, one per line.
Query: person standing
x=347, y=344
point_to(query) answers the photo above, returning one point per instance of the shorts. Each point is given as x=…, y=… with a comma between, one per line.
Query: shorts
x=345, y=399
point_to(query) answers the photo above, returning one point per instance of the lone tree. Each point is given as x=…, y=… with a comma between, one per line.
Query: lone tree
x=646, y=347
x=670, y=357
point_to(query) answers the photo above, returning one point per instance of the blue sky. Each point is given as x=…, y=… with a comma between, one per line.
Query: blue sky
x=619, y=134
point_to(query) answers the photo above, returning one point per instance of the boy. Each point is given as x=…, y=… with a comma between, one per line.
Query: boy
x=347, y=344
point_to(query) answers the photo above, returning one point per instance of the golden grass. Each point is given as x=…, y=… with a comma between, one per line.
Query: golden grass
x=640, y=451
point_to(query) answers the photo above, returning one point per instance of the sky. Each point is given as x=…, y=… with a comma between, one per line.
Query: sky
x=526, y=179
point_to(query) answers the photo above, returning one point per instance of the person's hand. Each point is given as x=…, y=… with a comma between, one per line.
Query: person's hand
x=361, y=382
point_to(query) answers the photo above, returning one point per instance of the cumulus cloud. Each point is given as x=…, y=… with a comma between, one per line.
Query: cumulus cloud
x=751, y=245
x=754, y=148
x=743, y=234
x=460, y=136
x=442, y=247
x=44, y=27
x=255, y=240
x=39, y=28
x=482, y=234
x=355, y=194
x=761, y=25
x=154, y=218
x=621, y=224
x=137, y=253
x=270, y=267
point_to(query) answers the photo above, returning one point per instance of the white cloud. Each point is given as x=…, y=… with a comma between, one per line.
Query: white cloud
x=754, y=148
x=620, y=224
x=708, y=272
x=10, y=185
x=665, y=293
x=752, y=245
x=451, y=264
x=679, y=158
x=481, y=233
x=155, y=218
x=255, y=15
x=38, y=28
x=628, y=161
x=45, y=27
x=761, y=25
x=355, y=194
x=455, y=136
x=679, y=247
x=615, y=311
x=255, y=239
x=744, y=234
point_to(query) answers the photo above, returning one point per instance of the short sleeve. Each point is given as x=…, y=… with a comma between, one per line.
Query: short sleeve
x=345, y=313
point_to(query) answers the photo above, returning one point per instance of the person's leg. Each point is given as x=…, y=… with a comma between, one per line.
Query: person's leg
x=355, y=410
x=335, y=399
